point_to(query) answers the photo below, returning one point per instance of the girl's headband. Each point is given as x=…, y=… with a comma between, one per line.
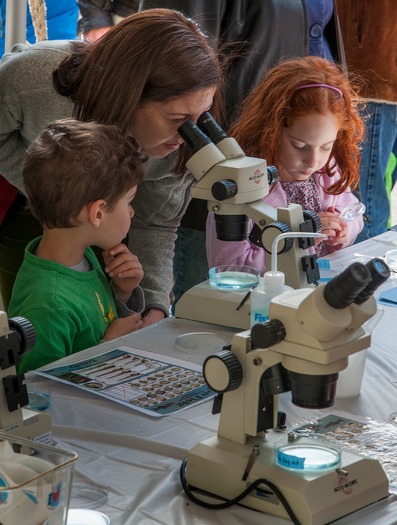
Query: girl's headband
x=321, y=85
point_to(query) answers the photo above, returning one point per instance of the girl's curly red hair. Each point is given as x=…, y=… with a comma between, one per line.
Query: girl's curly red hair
x=277, y=101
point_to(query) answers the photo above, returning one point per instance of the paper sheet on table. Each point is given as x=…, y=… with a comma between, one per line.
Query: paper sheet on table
x=150, y=383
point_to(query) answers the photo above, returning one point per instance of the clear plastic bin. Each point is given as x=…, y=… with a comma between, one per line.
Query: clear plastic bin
x=35, y=482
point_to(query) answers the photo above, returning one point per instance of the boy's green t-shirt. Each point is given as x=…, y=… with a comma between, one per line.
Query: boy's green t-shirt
x=69, y=310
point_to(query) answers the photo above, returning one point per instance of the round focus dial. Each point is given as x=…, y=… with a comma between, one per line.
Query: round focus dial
x=271, y=231
x=312, y=216
x=26, y=333
x=223, y=371
x=224, y=189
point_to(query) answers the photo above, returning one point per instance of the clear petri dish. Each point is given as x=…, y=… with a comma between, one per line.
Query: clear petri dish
x=233, y=277
x=207, y=341
x=307, y=452
x=39, y=400
x=87, y=497
x=392, y=418
x=353, y=211
x=391, y=259
x=87, y=517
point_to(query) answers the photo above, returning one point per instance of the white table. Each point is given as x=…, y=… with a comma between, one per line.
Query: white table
x=137, y=457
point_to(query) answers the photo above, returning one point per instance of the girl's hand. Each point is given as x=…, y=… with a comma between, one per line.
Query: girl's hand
x=333, y=226
x=124, y=268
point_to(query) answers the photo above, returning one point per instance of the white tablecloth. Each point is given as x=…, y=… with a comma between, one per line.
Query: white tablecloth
x=136, y=458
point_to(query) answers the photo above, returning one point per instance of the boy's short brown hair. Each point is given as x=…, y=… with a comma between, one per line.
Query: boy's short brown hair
x=71, y=164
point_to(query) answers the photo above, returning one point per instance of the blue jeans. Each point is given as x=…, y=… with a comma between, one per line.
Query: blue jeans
x=190, y=265
x=380, y=141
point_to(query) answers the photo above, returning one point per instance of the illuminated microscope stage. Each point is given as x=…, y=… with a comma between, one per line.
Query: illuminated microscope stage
x=208, y=304
x=316, y=497
x=310, y=334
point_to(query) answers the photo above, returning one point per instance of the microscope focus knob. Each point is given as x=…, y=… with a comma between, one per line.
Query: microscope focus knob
x=224, y=189
x=26, y=333
x=270, y=232
x=267, y=334
x=312, y=217
x=223, y=371
x=273, y=175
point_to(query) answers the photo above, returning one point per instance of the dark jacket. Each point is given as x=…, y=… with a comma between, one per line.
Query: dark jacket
x=246, y=27
x=370, y=41
x=98, y=13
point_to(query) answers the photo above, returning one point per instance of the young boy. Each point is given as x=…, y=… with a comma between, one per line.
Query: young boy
x=80, y=179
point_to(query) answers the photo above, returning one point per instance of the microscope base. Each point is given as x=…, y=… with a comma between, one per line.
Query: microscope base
x=208, y=304
x=33, y=425
x=317, y=498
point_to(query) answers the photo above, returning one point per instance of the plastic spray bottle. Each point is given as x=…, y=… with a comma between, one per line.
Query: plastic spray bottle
x=274, y=284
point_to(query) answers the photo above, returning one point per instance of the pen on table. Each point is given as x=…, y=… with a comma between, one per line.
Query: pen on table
x=244, y=300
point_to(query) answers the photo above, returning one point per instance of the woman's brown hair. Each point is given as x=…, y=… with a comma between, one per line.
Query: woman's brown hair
x=150, y=56
x=278, y=100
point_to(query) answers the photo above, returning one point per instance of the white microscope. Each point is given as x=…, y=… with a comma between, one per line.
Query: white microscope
x=17, y=336
x=234, y=186
x=301, y=348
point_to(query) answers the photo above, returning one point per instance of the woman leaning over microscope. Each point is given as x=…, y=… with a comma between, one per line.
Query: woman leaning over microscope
x=146, y=75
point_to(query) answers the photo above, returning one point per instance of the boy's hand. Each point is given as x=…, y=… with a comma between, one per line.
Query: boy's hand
x=124, y=268
x=123, y=326
x=152, y=316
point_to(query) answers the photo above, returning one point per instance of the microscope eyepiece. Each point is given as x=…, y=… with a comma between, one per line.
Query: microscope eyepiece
x=210, y=127
x=380, y=272
x=193, y=136
x=345, y=287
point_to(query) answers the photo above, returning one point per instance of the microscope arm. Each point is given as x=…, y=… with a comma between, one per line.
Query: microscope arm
x=293, y=259
x=249, y=381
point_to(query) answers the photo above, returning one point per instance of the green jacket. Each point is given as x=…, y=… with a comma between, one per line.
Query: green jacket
x=69, y=310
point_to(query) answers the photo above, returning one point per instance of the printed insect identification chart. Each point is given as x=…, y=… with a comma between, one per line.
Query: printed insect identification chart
x=151, y=383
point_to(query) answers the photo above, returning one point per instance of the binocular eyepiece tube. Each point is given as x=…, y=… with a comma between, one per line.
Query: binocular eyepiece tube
x=356, y=283
x=206, y=131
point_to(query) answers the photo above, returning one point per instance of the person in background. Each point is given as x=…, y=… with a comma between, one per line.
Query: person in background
x=253, y=36
x=80, y=179
x=147, y=87
x=98, y=16
x=61, y=16
x=303, y=119
x=370, y=42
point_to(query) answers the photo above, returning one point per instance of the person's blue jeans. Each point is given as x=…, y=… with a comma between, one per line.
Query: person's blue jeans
x=380, y=141
x=190, y=266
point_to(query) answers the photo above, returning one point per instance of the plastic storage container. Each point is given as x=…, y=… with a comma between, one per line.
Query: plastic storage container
x=35, y=482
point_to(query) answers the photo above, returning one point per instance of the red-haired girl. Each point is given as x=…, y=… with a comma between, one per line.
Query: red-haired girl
x=303, y=119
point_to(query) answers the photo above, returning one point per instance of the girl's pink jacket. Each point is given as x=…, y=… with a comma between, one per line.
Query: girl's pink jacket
x=244, y=252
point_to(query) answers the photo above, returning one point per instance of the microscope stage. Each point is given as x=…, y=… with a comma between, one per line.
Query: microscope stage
x=209, y=304
x=317, y=497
